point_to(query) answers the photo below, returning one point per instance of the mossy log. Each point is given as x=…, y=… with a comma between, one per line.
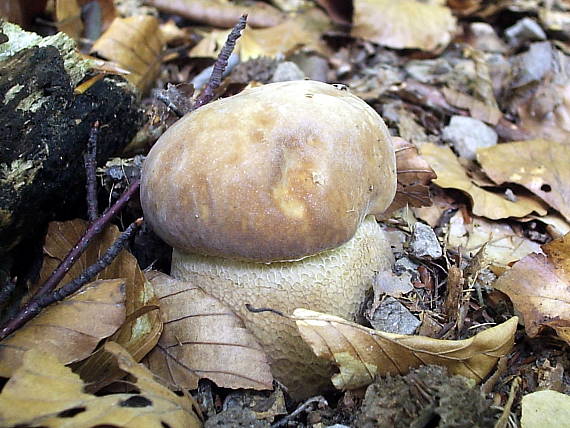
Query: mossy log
x=45, y=125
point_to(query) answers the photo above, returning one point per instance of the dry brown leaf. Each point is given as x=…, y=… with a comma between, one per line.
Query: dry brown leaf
x=540, y=166
x=70, y=329
x=18, y=12
x=502, y=245
x=302, y=30
x=414, y=176
x=203, y=338
x=135, y=44
x=43, y=392
x=68, y=18
x=362, y=353
x=403, y=24
x=340, y=11
x=140, y=333
x=221, y=13
x=539, y=287
x=477, y=108
x=450, y=174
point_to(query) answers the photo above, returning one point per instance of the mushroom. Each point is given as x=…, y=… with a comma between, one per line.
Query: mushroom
x=267, y=197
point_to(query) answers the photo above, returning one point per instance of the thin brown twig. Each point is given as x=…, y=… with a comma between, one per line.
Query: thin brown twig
x=221, y=63
x=90, y=159
x=37, y=303
x=93, y=230
x=33, y=307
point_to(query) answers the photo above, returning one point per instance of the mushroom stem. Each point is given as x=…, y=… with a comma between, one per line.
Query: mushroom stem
x=334, y=281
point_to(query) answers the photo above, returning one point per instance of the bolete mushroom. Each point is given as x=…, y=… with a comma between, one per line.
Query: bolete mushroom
x=267, y=198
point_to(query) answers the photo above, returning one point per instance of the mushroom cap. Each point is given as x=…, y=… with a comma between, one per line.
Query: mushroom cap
x=276, y=173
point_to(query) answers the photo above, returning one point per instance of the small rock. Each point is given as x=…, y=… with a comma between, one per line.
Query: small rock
x=532, y=65
x=405, y=265
x=525, y=30
x=424, y=243
x=286, y=71
x=313, y=66
x=467, y=135
x=482, y=36
x=393, y=317
x=392, y=285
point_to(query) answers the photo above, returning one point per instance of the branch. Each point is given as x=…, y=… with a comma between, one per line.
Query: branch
x=37, y=303
x=93, y=230
x=221, y=63
x=90, y=159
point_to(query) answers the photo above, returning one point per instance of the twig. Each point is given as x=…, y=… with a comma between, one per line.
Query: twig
x=221, y=63
x=90, y=159
x=318, y=399
x=490, y=383
x=504, y=419
x=93, y=230
x=35, y=306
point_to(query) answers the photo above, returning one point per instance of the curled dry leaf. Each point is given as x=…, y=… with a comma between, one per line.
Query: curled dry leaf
x=414, y=176
x=203, y=338
x=403, y=24
x=362, y=353
x=43, y=392
x=450, y=174
x=539, y=287
x=70, y=329
x=540, y=166
x=221, y=13
x=304, y=29
x=502, y=244
x=140, y=333
x=135, y=44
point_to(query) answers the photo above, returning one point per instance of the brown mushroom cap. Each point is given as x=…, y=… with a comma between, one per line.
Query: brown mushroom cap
x=278, y=172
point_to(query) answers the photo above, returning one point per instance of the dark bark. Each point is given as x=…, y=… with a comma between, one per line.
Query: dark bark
x=44, y=129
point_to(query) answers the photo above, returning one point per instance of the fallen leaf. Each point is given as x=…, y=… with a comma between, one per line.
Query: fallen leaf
x=340, y=11
x=502, y=245
x=544, y=409
x=70, y=329
x=221, y=13
x=404, y=24
x=302, y=30
x=477, y=109
x=362, y=353
x=203, y=338
x=135, y=44
x=450, y=174
x=140, y=333
x=539, y=287
x=68, y=18
x=414, y=176
x=43, y=392
x=540, y=166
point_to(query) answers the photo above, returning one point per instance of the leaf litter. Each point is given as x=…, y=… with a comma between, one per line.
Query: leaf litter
x=510, y=201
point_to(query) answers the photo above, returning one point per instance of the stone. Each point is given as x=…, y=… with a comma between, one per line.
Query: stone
x=467, y=135
x=393, y=317
x=424, y=243
x=525, y=30
x=286, y=71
